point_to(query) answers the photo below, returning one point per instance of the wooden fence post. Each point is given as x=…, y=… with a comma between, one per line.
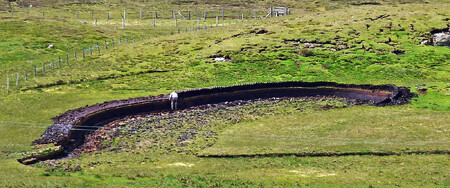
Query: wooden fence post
x=53, y=64
x=123, y=23
x=17, y=80
x=26, y=75
x=76, y=55
x=198, y=23
x=156, y=13
x=124, y=14
x=34, y=70
x=7, y=85
x=242, y=17
x=90, y=50
x=83, y=53
x=223, y=15
x=106, y=46
x=126, y=40
x=59, y=62
x=37, y=13
x=109, y=15
x=173, y=15
x=204, y=16
x=189, y=14
x=68, y=59
x=154, y=22
x=120, y=42
x=43, y=13
x=140, y=14
x=95, y=22
x=271, y=12
x=217, y=21
x=134, y=40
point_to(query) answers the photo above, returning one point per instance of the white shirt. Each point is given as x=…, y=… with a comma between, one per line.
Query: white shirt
x=173, y=95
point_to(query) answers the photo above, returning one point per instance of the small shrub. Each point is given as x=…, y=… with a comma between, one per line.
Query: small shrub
x=306, y=52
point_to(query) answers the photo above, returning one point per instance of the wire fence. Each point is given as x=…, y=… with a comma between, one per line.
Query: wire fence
x=14, y=80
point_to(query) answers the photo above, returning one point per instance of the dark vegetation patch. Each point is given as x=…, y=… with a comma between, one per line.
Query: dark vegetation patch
x=365, y=3
x=398, y=52
x=383, y=16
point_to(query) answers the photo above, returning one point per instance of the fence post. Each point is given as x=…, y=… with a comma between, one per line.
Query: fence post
x=76, y=55
x=7, y=85
x=28, y=13
x=189, y=14
x=156, y=13
x=134, y=40
x=173, y=14
x=43, y=67
x=140, y=14
x=112, y=42
x=95, y=22
x=271, y=12
x=90, y=50
x=120, y=42
x=59, y=62
x=204, y=16
x=26, y=75
x=154, y=22
x=83, y=53
x=223, y=15
x=106, y=45
x=123, y=23
x=37, y=13
x=53, y=64
x=217, y=21
x=34, y=70
x=124, y=14
x=12, y=12
x=109, y=15
x=198, y=23
x=126, y=40
x=242, y=17
x=68, y=59
x=17, y=80
x=43, y=13
x=254, y=12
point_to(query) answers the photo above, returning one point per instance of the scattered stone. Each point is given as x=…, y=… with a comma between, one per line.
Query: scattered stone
x=50, y=46
x=441, y=39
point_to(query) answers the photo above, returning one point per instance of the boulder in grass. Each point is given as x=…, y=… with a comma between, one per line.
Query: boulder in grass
x=441, y=39
x=50, y=46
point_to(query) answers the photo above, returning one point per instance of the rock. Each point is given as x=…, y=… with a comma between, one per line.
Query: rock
x=441, y=39
x=50, y=46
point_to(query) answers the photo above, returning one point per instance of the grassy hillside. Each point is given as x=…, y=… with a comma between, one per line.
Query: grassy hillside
x=323, y=41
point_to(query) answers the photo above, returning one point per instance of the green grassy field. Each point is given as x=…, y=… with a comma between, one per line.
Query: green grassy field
x=348, y=48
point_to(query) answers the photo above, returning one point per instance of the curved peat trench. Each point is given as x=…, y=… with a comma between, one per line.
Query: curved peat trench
x=70, y=129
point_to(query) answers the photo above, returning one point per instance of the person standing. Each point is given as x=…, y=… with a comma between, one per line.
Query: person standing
x=173, y=97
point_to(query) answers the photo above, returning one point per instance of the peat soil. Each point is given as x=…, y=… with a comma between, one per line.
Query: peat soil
x=173, y=123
